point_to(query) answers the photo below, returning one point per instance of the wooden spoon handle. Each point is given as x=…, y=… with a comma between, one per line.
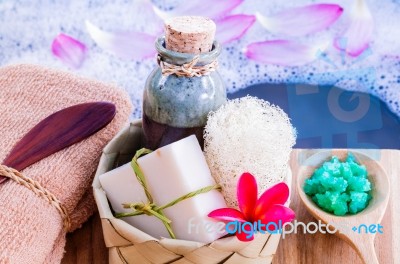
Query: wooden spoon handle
x=364, y=246
x=367, y=252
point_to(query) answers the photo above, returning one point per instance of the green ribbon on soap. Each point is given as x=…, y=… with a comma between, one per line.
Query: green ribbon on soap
x=150, y=208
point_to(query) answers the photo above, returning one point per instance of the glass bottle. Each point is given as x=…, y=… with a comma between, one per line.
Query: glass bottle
x=176, y=107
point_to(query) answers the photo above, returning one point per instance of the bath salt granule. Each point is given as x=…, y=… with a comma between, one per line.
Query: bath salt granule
x=340, y=187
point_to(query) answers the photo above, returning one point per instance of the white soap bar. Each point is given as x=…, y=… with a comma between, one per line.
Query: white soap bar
x=171, y=171
x=121, y=186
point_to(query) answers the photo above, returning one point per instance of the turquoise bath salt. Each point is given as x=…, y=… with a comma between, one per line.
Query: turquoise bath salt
x=340, y=187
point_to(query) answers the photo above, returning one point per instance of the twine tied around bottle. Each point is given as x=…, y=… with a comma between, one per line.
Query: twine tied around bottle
x=187, y=69
x=150, y=208
x=39, y=190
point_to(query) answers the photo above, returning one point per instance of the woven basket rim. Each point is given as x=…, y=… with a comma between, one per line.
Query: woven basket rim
x=119, y=234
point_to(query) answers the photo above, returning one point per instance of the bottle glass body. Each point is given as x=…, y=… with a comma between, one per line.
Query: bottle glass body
x=176, y=107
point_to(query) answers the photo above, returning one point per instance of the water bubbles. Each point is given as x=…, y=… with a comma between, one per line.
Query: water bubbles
x=29, y=39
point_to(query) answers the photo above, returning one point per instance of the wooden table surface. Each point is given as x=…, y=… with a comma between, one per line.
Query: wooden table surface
x=86, y=244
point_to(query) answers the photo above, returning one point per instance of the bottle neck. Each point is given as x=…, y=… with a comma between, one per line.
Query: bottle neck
x=178, y=58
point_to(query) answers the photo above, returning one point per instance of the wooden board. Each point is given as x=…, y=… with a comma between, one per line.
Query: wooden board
x=86, y=244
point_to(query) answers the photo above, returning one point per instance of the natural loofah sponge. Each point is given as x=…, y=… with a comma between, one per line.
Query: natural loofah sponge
x=248, y=135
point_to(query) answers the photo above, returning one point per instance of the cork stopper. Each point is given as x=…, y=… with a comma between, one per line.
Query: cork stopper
x=189, y=34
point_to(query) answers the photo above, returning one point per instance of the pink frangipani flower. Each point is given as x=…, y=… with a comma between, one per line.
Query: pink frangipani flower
x=69, y=50
x=269, y=208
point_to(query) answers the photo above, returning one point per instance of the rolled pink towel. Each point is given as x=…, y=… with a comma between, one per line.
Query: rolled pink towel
x=31, y=230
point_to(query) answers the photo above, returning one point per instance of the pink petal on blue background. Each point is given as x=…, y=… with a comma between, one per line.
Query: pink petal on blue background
x=227, y=214
x=300, y=21
x=247, y=194
x=359, y=34
x=69, y=50
x=233, y=27
x=214, y=9
x=283, y=52
x=127, y=45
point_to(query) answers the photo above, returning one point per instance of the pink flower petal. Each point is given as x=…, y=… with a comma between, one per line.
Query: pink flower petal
x=277, y=214
x=127, y=45
x=245, y=237
x=233, y=27
x=227, y=214
x=284, y=52
x=358, y=35
x=69, y=50
x=247, y=194
x=214, y=9
x=277, y=194
x=300, y=21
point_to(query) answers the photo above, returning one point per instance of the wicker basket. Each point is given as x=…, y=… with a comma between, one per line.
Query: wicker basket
x=128, y=244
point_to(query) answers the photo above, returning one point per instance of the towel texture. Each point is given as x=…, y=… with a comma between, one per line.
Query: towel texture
x=31, y=230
